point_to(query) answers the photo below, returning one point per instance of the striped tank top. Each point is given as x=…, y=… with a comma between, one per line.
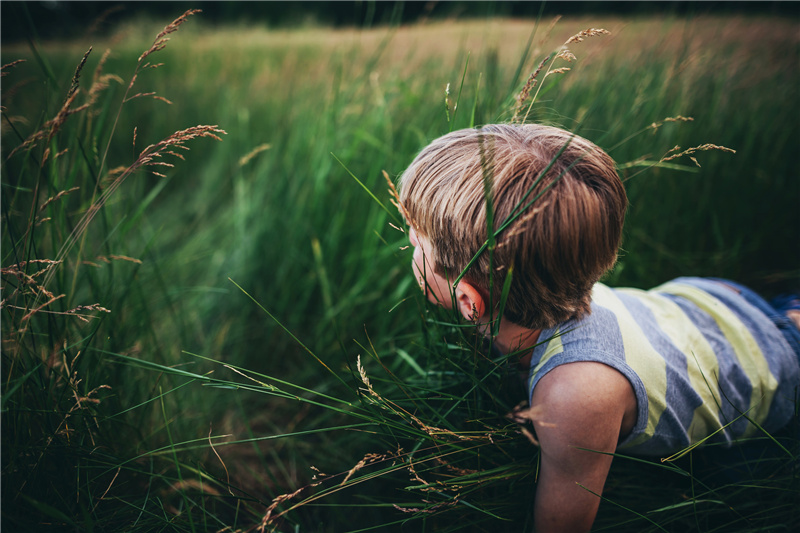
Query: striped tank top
x=702, y=361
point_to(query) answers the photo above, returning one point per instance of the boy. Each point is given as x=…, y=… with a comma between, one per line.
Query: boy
x=644, y=372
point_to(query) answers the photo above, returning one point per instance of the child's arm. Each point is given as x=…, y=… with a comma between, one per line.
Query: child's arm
x=584, y=405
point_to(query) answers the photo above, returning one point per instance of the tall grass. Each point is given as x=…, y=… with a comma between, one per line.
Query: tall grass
x=265, y=320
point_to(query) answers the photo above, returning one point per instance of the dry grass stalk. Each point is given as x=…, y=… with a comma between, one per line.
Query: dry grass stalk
x=395, y=199
x=183, y=486
x=56, y=197
x=365, y=381
x=77, y=76
x=103, y=497
x=427, y=486
x=27, y=282
x=51, y=127
x=457, y=470
x=113, y=174
x=37, y=309
x=160, y=41
x=566, y=55
x=150, y=156
x=254, y=152
x=591, y=32
x=377, y=399
x=528, y=416
x=78, y=312
x=10, y=65
x=689, y=151
x=367, y=460
x=267, y=518
x=427, y=510
x=521, y=224
x=112, y=257
x=523, y=95
x=265, y=385
x=319, y=474
x=23, y=264
x=558, y=71
x=69, y=377
x=227, y=474
x=679, y=118
x=101, y=19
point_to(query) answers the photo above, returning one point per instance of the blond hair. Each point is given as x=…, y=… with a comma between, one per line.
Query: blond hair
x=558, y=247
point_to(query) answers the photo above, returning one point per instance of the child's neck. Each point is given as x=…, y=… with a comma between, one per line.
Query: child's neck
x=513, y=338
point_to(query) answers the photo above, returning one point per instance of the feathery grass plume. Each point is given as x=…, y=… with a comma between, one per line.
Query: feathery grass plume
x=27, y=283
x=53, y=420
x=689, y=151
x=561, y=70
x=9, y=65
x=678, y=118
x=395, y=200
x=581, y=35
x=57, y=197
x=160, y=41
x=368, y=459
x=76, y=78
x=51, y=127
x=522, y=97
x=565, y=54
x=78, y=312
x=151, y=156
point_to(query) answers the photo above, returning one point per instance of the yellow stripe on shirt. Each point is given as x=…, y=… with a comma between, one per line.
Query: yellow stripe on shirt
x=701, y=361
x=640, y=355
x=747, y=351
x=554, y=347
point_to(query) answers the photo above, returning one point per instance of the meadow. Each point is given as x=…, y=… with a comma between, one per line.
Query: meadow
x=234, y=341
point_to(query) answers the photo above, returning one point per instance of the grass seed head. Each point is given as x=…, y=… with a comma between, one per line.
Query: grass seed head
x=530, y=84
x=10, y=65
x=160, y=41
x=581, y=35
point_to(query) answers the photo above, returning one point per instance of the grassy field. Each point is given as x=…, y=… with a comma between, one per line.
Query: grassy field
x=240, y=345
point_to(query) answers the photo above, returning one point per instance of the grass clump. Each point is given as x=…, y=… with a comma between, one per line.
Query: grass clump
x=69, y=275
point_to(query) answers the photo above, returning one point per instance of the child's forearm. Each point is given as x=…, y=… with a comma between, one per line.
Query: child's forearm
x=564, y=506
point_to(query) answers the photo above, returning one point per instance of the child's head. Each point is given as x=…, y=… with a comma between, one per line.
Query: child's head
x=559, y=247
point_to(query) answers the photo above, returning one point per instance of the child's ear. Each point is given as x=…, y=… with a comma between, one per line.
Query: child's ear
x=470, y=302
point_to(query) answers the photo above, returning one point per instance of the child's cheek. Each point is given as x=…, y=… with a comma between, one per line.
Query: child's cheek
x=435, y=287
x=416, y=267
